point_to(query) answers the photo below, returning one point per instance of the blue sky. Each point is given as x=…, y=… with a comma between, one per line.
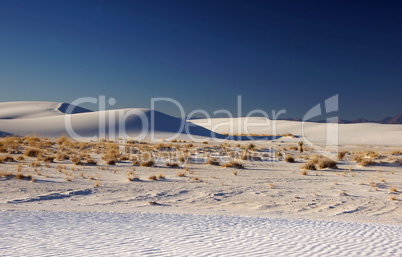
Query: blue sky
x=276, y=54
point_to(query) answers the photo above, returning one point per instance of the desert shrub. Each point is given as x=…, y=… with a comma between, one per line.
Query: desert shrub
x=172, y=165
x=20, y=158
x=60, y=156
x=91, y=161
x=33, y=141
x=111, y=162
x=152, y=177
x=366, y=162
x=293, y=147
x=62, y=140
x=76, y=160
x=326, y=163
x=213, y=161
x=233, y=164
x=289, y=158
x=8, y=159
x=20, y=176
x=3, y=147
x=372, y=154
x=301, y=143
x=309, y=166
x=323, y=162
x=135, y=161
x=49, y=159
x=396, y=152
x=32, y=152
x=342, y=155
x=124, y=158
x=148, y=163
x=161, y=176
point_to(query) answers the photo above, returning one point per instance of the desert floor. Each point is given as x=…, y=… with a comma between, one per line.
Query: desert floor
x=266, y=186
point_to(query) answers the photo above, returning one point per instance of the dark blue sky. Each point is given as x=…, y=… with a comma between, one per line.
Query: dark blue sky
x=276, y=54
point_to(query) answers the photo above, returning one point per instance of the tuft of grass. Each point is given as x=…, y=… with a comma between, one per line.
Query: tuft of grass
x=326, y=163
x=91, y=161
x=161, y=176
x=393, y=189
x=148, y=163
x=172, y=165
x=304, y=172
x=213, y=161
x=32, y=152
x=342, y=193
x=341, y=155
x=20, y=176
x=289, y=158
x=7, y=159
x=271, y=185
x=233, y=164
x=181, y=174
x=309, y=166
x=152, y=177
x=366, y=162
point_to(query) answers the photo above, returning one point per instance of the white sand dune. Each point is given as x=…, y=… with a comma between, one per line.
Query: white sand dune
x=49, y=119
x=349, y=134
x=47, y=233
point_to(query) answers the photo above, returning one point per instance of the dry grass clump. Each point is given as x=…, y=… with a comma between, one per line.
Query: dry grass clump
x=20, y=176
x=20, y=158
x=181, y=174
x=49, y=159
x=133, y=178
x=76, y=160
x=172, y=165
x=304, y=172
x=3, y=147
x=393, y=189
x=309, y=166
x=161, y=176
x=372, y=154
x=6, y=174
x=7, y=159
x=366, y=162
x=124, y=158
x=111, y=162
x=32, y=152
x=148, y=163
x=396, y=152
x=289, y=158
x=111, y=154
x=213, y=161
x=62, y=140
x=91, y=161
x=152, y=177
x=135, y=161
x=323, y=162
x=60, y=156
x=233, y=164
x=293, y=147
x=342, y=193
x=326, y=163
x=341, y=155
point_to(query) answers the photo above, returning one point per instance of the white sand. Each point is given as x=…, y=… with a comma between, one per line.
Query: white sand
x=264, y=189
x=131, y=234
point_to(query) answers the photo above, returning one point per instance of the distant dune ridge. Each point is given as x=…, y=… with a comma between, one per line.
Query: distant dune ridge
x=48, y=119
x=388, y=120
